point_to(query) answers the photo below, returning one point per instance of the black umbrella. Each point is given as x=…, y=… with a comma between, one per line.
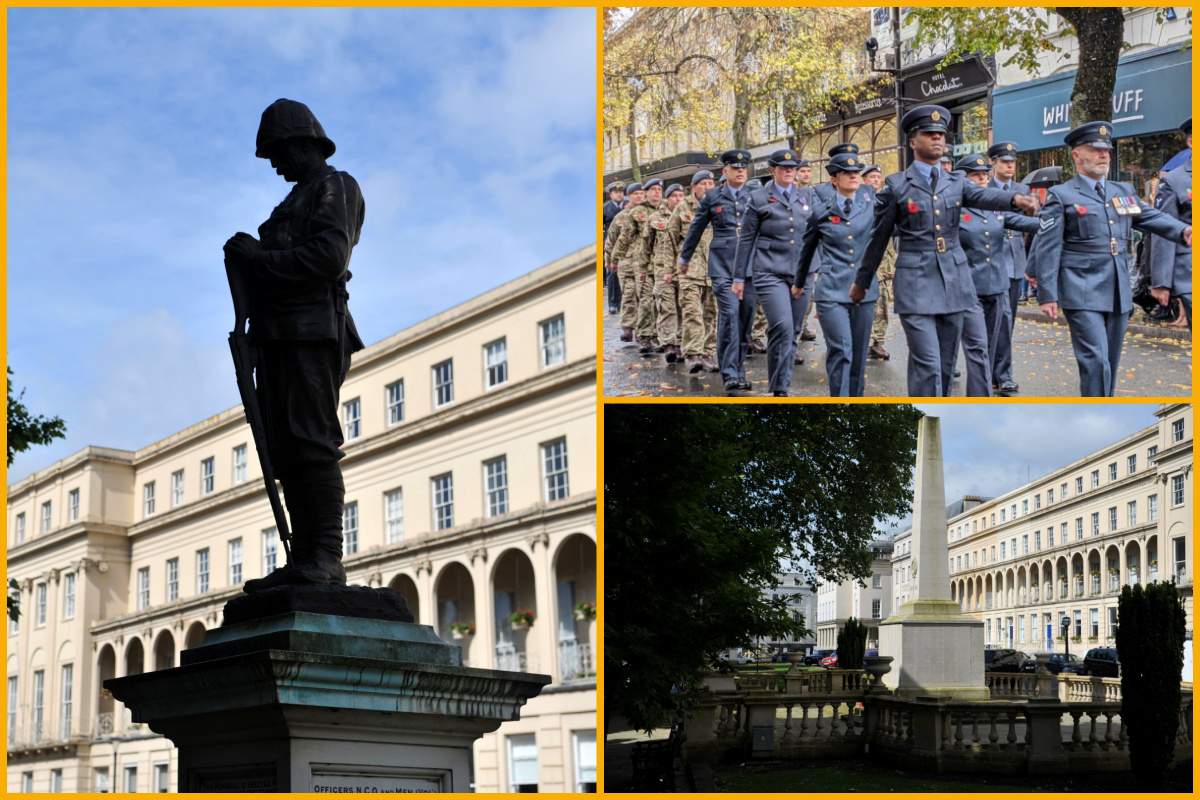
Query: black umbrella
x=1044, y=177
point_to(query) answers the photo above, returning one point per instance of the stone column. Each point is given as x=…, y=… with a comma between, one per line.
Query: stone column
x=1045, y=751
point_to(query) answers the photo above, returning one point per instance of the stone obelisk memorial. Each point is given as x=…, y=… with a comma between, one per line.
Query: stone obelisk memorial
x=936, y=649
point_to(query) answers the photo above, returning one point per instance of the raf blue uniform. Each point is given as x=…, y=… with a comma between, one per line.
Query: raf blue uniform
x=1170, y=262
x=770, y=237
x=1014, y=241
x=984, y=236
x=724, y=208
x=1082, y=257
x=933, y=287
x=840, y=233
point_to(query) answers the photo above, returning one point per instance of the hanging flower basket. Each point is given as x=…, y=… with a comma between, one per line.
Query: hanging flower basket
x=520, y=619
x=585, y=611
x=105, y=694
x=461, y=630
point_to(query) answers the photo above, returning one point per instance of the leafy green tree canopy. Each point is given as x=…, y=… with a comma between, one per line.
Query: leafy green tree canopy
x=26, y=430
x=701, y=502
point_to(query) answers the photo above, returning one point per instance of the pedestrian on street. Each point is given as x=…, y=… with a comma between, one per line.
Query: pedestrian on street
x=1171, y=263
x=840, y=229
x=1082, y=255
x=984, y=239
x=770, y=233
x=723, y=209
x=697, y=309
x=933, y=285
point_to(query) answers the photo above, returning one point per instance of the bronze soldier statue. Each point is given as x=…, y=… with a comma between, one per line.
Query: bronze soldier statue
x=302, y=334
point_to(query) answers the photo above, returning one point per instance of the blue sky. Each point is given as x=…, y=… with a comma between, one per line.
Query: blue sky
x=131, y=161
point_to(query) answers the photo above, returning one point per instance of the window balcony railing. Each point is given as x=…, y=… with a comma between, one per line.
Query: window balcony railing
x=509, y=660
x=1114, y=583
x=1035, y=595
x=575, y=664
x=43, y=733
x=1153, y=574
x=1095, y=584
x=104, y=725
x=1133, y=576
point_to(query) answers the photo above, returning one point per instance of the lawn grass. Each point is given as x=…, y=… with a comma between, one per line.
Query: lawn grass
x=831, y=779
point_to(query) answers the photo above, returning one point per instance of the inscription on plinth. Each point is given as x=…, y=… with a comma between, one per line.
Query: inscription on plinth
x=379, y=780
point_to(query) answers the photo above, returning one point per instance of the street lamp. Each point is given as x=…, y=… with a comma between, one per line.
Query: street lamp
x=1066, y=630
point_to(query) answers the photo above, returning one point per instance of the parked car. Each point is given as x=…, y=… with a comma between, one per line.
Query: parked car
x=1101, y=662
x=830, y=660
x=813, y=659
x=867, y=655
x=1060, y=662
x=1003, y=660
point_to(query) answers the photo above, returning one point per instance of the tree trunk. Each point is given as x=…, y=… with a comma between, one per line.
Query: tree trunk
x=1101, y=32
x=633, y=148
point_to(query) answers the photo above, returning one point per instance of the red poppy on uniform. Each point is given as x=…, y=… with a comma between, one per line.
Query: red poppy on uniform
x=1080, y=210
x=913, y=208
x=640, y=217
x=662, y=224
x=773, y=200
x=835, y=220
x=719, y=209
x=966, y=217
x=687, y=217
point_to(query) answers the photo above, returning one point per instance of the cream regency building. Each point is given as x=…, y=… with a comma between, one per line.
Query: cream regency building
x=869, y=604
x=1064, y=544
x=470, y=476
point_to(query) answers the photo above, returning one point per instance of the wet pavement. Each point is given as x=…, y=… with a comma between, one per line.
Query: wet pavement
x=1043, y=366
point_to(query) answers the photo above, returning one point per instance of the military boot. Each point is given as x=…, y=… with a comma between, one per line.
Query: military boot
x=324, y=502
x=301, y=539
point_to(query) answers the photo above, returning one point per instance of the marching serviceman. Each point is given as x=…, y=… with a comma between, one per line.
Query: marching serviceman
x=1004, y=176
x=770, y=233
x=933, y=285
x=1171, y=263
x=662, y=258
x=644, y=327
x=723, y=208
x=841, y=228
x=628, y=294
x=873, y=177
x=1081, y=253
x=697, y=309
x=982, y=234
x=616, y=202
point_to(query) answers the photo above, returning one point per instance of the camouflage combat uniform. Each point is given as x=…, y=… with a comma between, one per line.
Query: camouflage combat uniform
x=887, y=270
x=697, y=307
x=663, y=254
x=629, y=255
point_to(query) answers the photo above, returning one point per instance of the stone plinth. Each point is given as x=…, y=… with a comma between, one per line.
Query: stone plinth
x=935, y=656
x=302, y=702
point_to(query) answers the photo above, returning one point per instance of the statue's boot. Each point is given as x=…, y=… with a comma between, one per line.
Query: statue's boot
x=324, y=498
x=301, y=541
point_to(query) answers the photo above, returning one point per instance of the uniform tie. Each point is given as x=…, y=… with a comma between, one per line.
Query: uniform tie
x=933, y=177
x=847, y=206
x=1100, y=189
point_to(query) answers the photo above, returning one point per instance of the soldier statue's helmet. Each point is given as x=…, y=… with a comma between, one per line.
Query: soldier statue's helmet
x=783, y=158
x=650, y=184
x=1003, y=151
x=1098, y=134
x=973, y=163
x=1186, y=127
x=702, y=175
x=674, y=187
x=871, y=168
x=931, y=119
x=634, y=187
x=288, y=119
x=736, y=158
x=845, y=162
x=844, y=147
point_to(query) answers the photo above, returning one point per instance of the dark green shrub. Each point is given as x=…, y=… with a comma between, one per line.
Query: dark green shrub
x=851, y=645
x=1150, y=646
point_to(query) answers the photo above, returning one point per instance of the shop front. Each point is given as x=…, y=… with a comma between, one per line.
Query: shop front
x=1151, y=98
x=869, y=120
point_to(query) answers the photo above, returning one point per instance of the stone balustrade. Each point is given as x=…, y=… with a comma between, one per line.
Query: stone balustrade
x=1035, y=723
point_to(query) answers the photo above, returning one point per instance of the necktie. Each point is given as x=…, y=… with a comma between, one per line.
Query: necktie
x=933, y=178
x=847, y=206
x=787, y=194
x=1100, y=189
